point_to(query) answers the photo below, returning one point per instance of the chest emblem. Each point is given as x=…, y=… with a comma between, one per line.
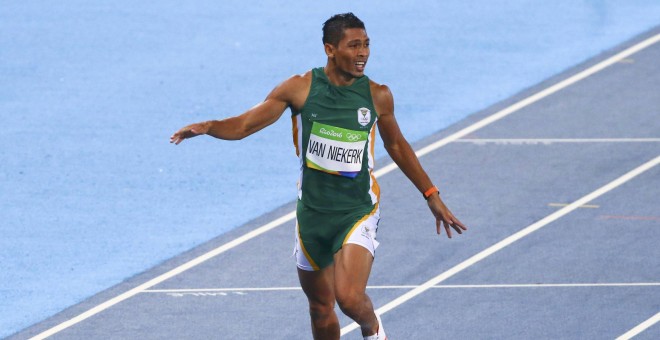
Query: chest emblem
x=363, y=116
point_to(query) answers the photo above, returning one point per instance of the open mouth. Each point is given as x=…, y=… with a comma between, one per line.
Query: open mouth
x=360, y=65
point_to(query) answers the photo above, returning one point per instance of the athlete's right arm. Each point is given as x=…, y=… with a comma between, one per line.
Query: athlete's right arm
x=290, y=93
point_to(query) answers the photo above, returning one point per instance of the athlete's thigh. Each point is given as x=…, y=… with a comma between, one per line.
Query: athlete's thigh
x=318, y=285
x=352, y=268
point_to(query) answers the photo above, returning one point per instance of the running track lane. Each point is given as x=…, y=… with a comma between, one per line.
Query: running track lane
x=462, y=133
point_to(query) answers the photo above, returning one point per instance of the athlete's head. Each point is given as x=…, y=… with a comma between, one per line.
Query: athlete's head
x=333, y=28
x=346, y=44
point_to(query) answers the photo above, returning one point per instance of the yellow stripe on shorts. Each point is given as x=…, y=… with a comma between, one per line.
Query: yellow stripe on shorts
x=309, y=258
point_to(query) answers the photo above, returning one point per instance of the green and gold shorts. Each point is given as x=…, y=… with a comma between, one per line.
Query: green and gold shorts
x=319, y=235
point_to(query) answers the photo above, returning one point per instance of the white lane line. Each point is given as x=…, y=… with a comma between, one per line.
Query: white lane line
x=484, y=286
x=531, y=99
x=511, y=239
x=386, y=169
x=246, y=289
x=587, y=206
x=180, y=269
x=548, y=141
x=554, y=285
x=640, y=328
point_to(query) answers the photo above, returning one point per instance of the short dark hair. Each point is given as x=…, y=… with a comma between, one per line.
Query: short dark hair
x=333, y=28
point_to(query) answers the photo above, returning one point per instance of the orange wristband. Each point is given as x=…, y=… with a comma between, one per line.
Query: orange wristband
x=432, y=190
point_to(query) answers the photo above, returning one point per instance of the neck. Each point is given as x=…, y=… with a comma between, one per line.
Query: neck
x=336, y=76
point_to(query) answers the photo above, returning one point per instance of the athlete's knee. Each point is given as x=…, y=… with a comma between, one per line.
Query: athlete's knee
x=319, y=310
x=350, y=300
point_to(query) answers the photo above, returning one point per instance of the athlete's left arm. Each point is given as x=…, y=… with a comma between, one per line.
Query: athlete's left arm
x=404, y=156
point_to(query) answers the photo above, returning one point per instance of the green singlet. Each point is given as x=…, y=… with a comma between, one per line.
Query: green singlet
x=334, y=135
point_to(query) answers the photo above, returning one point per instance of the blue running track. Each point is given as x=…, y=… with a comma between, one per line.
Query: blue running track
x=92, y=193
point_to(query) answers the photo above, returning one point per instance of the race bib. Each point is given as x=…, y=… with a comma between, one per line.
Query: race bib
x=335, y=150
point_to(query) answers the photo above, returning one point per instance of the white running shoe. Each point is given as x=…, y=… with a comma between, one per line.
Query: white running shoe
x=381, y=332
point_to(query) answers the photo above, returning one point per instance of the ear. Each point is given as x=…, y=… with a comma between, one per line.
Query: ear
x=329, y=50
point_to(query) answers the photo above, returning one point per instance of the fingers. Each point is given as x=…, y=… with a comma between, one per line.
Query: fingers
x=449, y=225
x=439, y=223
x=458, y=227
x=444, y=218
x=447, y=229
x=458, y=224
x=184, y=133
x=176, y=138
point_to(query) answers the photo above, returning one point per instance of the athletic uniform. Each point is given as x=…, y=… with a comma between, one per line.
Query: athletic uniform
x=334, y=135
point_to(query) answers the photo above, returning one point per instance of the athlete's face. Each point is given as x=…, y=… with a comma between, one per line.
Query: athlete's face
x=351, y=53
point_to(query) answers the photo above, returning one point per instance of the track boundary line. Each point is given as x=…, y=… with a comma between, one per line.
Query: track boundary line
x=520, y=141
x=466, y=286
x=531, y=99
x=511, y=239
x=386, y=169
x=640, y=328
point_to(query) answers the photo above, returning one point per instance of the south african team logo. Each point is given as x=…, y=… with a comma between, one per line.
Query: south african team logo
x=364, y=116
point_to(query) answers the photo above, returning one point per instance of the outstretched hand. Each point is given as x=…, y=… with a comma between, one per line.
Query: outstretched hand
x=444, y=217
x=189, y=131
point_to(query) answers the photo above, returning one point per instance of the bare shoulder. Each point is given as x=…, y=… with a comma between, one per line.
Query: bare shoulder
x=294, y=90
x=382, y=97
x=298, y=80
x=379, y=90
